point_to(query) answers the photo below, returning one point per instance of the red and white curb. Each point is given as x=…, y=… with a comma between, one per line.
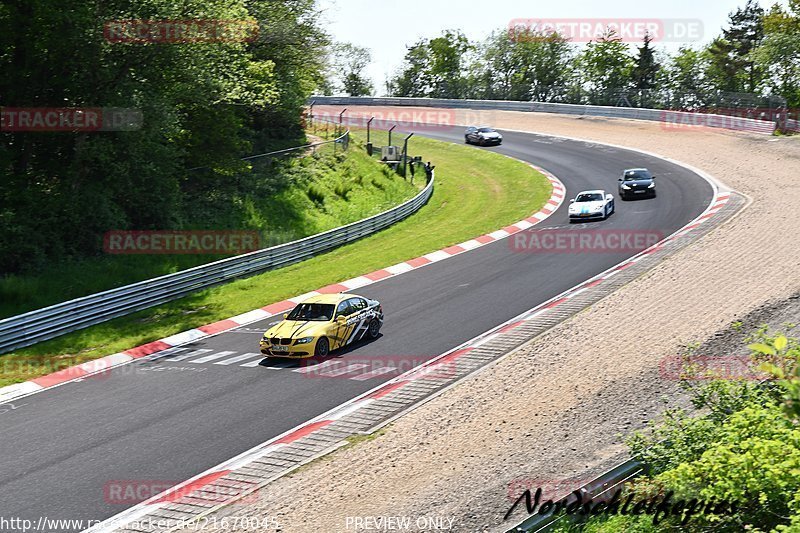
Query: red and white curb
x=204, y=489
x=66, y=375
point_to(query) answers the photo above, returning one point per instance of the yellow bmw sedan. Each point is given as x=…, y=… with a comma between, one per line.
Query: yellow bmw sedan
x=321, y=324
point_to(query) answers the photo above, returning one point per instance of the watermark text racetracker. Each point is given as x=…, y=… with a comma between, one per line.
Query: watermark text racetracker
x=64, y=119
x=728, y=118
x=132, y=491
x=418, y=120
x=181, y=242
x=140, y=31
x=601, y=241
x=708, y=368
x=368, y=367
x=583, y=30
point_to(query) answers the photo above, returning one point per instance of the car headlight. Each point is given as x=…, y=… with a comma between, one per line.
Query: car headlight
x=651, y=186
x=625, y=187
x=304, y=340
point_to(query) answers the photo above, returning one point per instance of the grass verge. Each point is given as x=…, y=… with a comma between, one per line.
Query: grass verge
x=283, y=200
x=476, y=192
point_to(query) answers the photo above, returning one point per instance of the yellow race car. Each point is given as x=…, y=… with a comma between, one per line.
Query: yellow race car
x=322, y=324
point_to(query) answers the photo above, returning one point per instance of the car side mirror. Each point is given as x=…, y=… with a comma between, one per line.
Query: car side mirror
x=653, y=177
x=572, y=201
x=620, y=179
x=285, y=316
x=609, y=197
x=341, y=319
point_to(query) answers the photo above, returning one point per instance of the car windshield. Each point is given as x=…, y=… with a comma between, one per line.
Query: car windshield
x=589, y=197
x=635, y=175
x=315, y=312
x=486, y=130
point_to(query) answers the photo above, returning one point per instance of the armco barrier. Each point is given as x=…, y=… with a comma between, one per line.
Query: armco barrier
x=50, y=322
x=599, y=489
x=676, y=119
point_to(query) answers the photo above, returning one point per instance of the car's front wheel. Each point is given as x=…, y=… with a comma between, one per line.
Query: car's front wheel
x=374, y=329
x=323, y=347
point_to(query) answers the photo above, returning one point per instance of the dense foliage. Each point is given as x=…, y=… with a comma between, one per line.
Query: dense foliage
x=756, y=55
x=743, y=447
x=204, y=104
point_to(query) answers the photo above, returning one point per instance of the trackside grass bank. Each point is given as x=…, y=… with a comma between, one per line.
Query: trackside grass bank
x=281, y=200
x=476, y=192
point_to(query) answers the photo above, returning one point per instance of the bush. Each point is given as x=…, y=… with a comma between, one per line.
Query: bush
x=316, y=194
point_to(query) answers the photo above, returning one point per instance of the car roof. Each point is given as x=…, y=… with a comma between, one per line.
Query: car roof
x=596, y=191
x=329, y=298
x=326, y=298
x=635, y=170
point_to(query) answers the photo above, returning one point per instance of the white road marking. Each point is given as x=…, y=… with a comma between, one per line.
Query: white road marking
x=164, y=353
x=239, y=358
x=189, y=355
x=213, y=356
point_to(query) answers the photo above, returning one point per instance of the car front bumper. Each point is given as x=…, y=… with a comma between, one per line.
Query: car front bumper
x=586, y=216
x=301, y=351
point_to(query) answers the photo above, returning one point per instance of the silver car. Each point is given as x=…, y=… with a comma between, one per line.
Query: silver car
x=483, y=135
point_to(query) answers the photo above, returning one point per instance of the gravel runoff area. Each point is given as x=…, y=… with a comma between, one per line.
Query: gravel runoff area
x=552, y=413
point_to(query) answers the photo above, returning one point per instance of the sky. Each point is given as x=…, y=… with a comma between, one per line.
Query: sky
x=386, y=27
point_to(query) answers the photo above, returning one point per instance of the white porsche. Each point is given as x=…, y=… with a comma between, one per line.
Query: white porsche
x=589, y=205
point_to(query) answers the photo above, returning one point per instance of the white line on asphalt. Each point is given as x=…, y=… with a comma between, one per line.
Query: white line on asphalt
x=239, y=358
x=189, y=355
x=164, y=353
x=213, y=356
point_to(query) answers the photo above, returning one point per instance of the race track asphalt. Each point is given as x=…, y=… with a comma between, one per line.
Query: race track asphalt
x=65, y=452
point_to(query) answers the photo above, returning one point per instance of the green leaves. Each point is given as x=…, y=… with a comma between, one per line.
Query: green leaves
x=203, y=103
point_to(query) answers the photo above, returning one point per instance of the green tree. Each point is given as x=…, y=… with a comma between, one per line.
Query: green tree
x=645, y=72
x=778, y=55
x=745, y=33
x=203, y=104
x=607, y=67
x=684, y=77
x=446, y=65
x=350, y=61
x=412, y=79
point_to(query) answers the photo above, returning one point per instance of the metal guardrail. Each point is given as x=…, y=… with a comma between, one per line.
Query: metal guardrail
x=671, y=119
x=599, y=489
x=50, y=322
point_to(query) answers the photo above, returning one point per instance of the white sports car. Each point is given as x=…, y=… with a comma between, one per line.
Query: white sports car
x=591, y=205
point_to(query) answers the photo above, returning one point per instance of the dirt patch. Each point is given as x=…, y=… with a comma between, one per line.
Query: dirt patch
x=552, y=412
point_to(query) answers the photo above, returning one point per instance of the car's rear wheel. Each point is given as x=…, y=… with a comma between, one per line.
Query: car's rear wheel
x=374, y=329
x=323, y=347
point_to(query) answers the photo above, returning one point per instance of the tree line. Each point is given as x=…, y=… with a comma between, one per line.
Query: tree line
x=203, y=103
x=754, y=62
